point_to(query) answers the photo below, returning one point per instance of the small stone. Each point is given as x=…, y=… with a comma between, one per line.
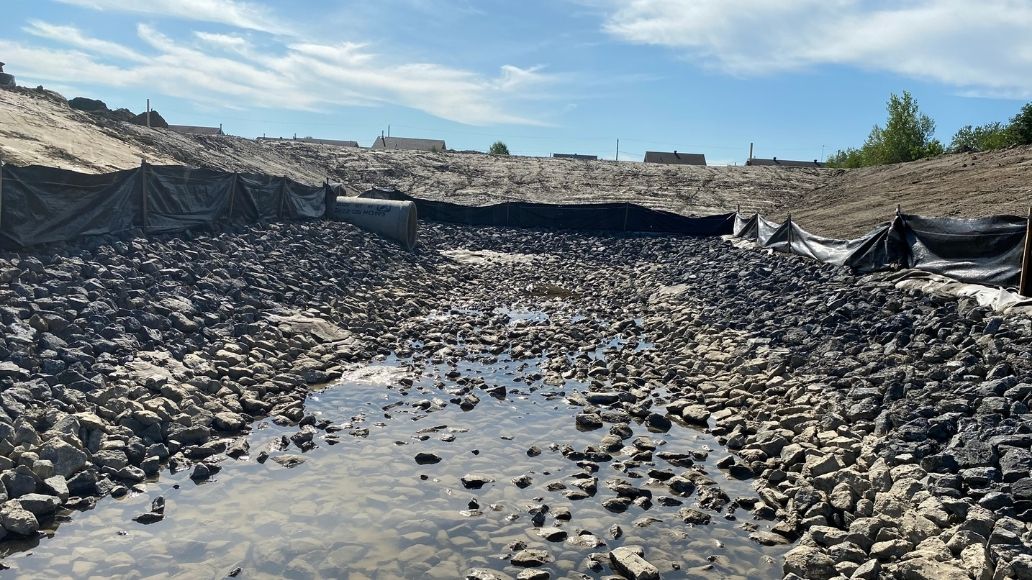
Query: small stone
x=475, y=480
x=530, y=558
x=427, y=458
x=553, y=534
x=289, y=460
x=630, y=565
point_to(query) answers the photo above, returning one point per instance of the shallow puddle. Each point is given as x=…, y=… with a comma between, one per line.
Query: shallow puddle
x=364, y=508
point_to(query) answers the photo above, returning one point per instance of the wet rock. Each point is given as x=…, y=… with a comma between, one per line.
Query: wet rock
x=427, y=458
x=552, y=534
x=18, y=520
x=588, y=421
x=288, y=460
x=533, y=574
x=485, y=574
x=810, y=562
x=522, y=481
x=530, y=558
x=657, y=423
x=630, y=564
x=40, y=504
x=475, y=480
x=693, y=517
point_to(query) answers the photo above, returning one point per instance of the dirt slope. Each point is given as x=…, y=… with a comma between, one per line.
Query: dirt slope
x=39, y=128
x=960, y=185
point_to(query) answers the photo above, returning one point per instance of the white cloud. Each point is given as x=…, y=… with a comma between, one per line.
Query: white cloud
x=980, y=47
x=228, y=71
x=237, y=13
x=73, y=37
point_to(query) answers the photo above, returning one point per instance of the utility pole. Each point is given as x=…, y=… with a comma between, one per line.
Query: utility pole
x=148, y=114
x=617, y=149
x=822, y=153
x=750, y=150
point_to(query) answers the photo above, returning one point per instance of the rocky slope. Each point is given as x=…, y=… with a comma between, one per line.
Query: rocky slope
x=887, y=432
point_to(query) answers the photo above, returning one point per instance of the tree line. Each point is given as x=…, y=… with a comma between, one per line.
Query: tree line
x=908, y=135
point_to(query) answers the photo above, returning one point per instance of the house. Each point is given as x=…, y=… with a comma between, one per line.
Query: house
x=775, y=162
x=336, y=142
x=406, y=144
x=575, y=156
x=201, y=131
x=675, y=158
x=6, y=80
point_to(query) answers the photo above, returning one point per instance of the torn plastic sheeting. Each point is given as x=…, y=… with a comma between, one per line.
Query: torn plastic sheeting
x=985, y=250
x=745, y=227
x=766, y=230
x=44, y=204
x=869, y=253
x=999, y=299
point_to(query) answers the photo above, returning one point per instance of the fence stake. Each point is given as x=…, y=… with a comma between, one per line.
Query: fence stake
x=1, y=193
x=143, y=194
x=789, y=233
x=232, y=194
x=1025, y=285
x=282, y=196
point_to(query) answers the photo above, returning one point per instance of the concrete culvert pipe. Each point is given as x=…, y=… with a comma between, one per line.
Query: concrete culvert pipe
x=396, y=220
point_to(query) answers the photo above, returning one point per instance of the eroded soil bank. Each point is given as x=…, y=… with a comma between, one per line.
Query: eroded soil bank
x=745, y=401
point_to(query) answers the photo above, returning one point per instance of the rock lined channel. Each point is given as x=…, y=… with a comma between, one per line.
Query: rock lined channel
x=885, y=431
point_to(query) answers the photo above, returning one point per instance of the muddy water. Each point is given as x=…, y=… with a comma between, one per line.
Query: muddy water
x=361, y=507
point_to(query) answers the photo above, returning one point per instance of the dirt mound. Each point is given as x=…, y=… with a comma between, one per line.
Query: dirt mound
x=960, y=185
x=88, y=105
x=153, y=120
x=39, y=127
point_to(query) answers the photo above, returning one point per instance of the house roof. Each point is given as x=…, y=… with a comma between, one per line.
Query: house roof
x=575, y=156
x=328, y=141
x=409, y=144
x=192, y=130
x=675, y=158
x=775, y=162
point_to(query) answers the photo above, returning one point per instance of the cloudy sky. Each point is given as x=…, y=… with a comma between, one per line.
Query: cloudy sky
x=800, y=78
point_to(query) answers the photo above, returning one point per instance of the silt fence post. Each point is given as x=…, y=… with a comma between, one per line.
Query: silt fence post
x=1025, y=285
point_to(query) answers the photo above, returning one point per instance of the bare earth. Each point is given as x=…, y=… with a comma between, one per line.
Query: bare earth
x=39, y=128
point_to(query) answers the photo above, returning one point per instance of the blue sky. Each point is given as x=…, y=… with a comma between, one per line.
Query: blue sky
x=800, y=78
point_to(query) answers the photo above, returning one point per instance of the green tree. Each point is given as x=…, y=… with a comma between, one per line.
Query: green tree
x=908, y=135
x=498, y=148
x=1020, y=128
x=986, y=137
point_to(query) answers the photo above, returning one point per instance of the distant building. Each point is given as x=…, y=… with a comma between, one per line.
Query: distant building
x=406, y=144
x=328, y=142
x=675, y=158
x=575, y=156
x=6, y=80
x=202, y=131
x=775, y=162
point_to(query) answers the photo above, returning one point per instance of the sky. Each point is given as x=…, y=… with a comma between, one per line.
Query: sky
x=798, y=78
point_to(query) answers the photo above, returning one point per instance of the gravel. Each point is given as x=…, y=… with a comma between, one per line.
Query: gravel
x=888, y=432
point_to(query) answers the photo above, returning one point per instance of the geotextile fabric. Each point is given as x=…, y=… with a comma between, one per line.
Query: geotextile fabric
x=43, y=205
x=985, y=251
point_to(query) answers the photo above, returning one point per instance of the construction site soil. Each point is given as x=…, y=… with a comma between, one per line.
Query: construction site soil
x=38, y=127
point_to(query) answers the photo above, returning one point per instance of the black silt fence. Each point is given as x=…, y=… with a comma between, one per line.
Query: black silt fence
x=986, y=250
x=627, y=217
x=43, y=205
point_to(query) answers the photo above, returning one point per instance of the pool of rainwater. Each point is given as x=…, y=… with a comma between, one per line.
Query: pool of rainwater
x=362, y=507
